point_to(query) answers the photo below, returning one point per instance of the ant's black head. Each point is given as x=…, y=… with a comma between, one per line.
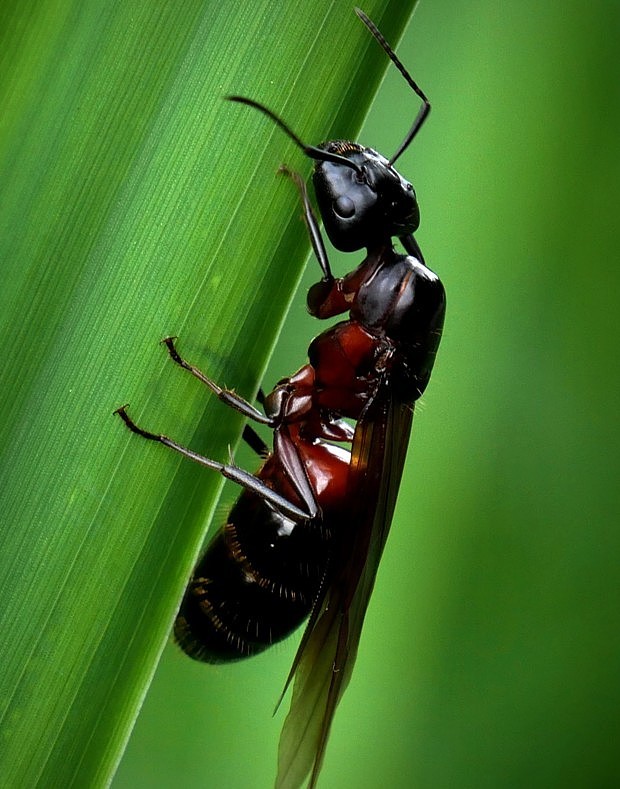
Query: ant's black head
x=363, y=200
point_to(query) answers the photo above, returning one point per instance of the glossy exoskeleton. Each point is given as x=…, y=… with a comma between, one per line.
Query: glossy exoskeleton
x=305, y=537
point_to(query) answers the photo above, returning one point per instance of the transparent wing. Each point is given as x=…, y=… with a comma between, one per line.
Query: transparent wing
x=325, y=659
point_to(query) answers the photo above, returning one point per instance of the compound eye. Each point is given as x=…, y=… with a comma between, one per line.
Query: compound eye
x=344, y=207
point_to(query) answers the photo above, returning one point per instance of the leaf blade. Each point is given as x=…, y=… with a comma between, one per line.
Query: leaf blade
x=116, y=139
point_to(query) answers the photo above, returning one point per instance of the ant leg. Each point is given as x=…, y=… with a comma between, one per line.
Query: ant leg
x=251, y=437
x=234, y=473
x=316, y=239
x=326, y=297
x=227, y=396
x=412, y=247
x=288, y=455
x=254, y=441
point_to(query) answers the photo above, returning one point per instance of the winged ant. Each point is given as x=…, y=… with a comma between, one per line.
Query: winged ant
x=305, y=537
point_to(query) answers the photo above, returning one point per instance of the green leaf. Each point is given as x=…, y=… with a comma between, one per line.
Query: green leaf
x=136, y=204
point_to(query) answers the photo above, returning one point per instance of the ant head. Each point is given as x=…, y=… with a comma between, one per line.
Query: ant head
x=363, y=200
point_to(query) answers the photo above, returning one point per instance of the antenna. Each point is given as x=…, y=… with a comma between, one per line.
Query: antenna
x=424, y=109
x=310, y=150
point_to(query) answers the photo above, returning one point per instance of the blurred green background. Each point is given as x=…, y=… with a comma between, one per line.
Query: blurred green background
x=490, y=651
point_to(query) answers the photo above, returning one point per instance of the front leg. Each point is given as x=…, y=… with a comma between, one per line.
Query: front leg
x=327, y=297
x=316, y=239
x=412, y=247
